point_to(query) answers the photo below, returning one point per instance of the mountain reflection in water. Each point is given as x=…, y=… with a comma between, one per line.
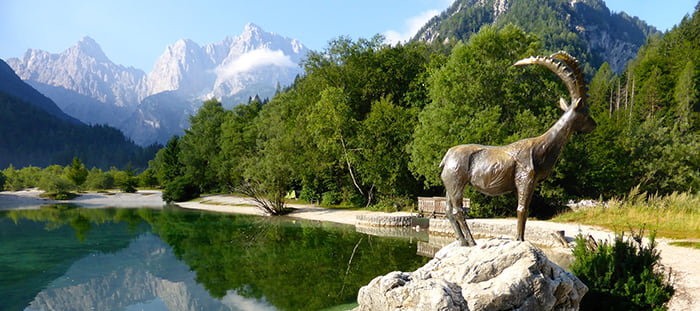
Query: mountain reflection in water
x=145, y=259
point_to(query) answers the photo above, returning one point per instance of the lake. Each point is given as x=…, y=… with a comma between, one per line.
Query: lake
x=66, y=258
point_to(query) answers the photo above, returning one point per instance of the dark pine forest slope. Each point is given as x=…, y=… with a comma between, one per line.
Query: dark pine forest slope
x=34, y=131
x=585, y=28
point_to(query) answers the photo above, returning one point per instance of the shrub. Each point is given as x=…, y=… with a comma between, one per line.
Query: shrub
x=55, y=185
x=395, y=204
x=98, y=180
x=180, y=189
x=310, y=194
x=270, y=201
x=148, y=178
x=621, y=275
x=126, y=182
x=129, y=185
x=62, y=196
x=330, y=198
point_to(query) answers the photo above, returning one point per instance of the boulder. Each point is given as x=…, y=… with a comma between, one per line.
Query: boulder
x=494, y=275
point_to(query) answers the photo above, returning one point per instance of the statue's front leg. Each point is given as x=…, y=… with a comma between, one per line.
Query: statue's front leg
x=525, y=183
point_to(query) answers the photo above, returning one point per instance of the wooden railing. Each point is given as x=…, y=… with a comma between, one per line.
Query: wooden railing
x=432, y=207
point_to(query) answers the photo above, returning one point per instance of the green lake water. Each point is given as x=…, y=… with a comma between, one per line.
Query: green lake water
x=61, y=258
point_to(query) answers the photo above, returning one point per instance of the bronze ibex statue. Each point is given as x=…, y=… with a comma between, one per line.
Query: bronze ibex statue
x=495, y=170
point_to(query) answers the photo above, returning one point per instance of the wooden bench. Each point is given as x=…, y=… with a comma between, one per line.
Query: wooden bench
x=431, y=207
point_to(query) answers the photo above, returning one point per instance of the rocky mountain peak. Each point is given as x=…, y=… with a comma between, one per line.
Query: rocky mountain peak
x=253, y=29
x=184, y=45
x=83, y=68
x=88, y=47
x=253, y=37
x=183, y=67
x=182, y=53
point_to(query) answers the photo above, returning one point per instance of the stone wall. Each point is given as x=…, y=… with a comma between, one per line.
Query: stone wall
x=494, y=229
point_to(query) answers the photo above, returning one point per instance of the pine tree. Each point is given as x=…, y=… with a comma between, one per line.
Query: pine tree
x=686, y=95
x=77, y=173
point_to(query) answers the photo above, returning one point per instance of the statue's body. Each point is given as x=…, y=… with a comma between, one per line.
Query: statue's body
x=495, y=170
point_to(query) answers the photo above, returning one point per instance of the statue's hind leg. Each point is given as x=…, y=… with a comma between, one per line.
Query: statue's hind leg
x=455, y=176
x=456, y=214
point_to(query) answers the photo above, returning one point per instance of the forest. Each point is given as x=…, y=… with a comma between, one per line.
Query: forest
x=30, y=136
x=561, y=25
x=369, y=123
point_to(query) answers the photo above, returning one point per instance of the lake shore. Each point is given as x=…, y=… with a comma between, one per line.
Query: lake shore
x=30, y=199
x=242, y=205
x=684, y=262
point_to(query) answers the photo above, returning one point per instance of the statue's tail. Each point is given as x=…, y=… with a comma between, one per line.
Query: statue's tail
x=567, y=68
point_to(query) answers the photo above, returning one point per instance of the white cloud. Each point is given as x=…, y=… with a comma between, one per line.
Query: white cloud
x=411, y=27
x=254, y=59
x=238, y=302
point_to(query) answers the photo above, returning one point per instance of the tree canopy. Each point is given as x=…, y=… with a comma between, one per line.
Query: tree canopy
x=369, y=122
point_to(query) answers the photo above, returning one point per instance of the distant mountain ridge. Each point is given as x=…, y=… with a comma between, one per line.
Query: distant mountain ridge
x=86, y=84
x=34, y=131
x=585, y=28
x=85, y=69
x=11, y=84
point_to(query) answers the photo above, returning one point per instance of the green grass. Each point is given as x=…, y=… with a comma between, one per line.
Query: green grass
x=688, y=244
x=675, y=216
x=344, y=307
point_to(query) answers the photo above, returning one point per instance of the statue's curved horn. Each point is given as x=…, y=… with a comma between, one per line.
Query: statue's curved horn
x=566, y=67
x=579, y=77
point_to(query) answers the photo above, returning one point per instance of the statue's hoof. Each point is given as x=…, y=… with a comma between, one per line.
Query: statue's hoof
x=467, y=243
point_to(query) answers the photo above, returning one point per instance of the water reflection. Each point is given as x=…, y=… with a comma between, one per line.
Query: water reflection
x=143, y=276
x=144, y=259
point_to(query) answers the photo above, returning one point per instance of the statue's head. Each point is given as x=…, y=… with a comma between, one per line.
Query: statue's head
x=582, y=122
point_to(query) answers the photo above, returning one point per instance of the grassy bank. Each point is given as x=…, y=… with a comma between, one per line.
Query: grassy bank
x=675, y=216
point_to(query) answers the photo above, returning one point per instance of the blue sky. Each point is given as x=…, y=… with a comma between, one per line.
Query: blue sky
x=136, y=32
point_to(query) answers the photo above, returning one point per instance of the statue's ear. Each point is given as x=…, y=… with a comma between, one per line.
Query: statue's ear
x=563, y=104
x=578, y=103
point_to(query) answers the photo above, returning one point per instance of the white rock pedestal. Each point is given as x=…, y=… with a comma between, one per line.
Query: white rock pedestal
x=494, y=275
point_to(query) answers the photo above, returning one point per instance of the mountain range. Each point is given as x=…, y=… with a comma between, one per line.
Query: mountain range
x=151, y=108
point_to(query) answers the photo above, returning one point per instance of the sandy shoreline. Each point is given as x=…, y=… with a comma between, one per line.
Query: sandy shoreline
x=240, y=205
x=30, y=199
